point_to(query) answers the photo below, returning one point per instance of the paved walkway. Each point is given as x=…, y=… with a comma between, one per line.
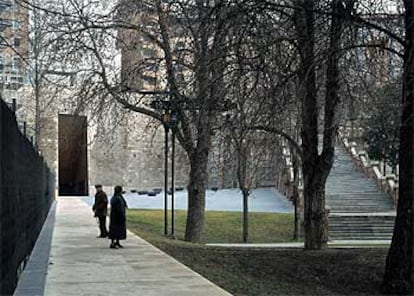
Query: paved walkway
x=81, y=264
x=340, y=244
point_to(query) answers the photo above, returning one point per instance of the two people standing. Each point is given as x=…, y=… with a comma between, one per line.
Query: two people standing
x=117, y=222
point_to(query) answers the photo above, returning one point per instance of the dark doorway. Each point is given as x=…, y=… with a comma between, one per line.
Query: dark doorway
x=73, y=155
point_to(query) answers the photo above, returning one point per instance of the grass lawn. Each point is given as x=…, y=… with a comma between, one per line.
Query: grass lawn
x=265, y=271
x=220, y=227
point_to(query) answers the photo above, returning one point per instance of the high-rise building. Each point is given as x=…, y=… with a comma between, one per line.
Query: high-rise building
x=135, y=157
x=14, y=62
x=141, y=59
x=14, y=48
x=143, y=70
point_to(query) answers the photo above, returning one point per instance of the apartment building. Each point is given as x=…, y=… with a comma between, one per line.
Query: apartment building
x=14, y=48
x=135, y=155
x=143, y=70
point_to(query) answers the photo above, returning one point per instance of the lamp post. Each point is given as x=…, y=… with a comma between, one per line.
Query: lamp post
x=174, y=119
x=170, y=120
x=166, y=119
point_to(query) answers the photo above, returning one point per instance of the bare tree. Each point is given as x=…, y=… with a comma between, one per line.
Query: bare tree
x=315, y=166
x=250, y=148
x=398, y=277
x=88, y=34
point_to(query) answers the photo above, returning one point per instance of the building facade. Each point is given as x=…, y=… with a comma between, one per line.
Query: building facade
x=14, y=58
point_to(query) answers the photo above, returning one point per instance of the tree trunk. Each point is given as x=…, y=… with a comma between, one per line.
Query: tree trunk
x=316, y=168
x=242, y=153
x=196, y=196
x=296, y=231
x=314, y=188
x=37, y=107
x=198, y=181
x=315, y=218
x=296, y=201
x=245, y=215
x=398, y=277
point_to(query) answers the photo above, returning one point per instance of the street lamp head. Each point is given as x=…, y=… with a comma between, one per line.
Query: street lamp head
x=166, y=117
x=174, y=119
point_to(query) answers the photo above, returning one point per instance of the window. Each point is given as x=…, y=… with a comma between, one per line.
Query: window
x=16, y=42
x=149, y=79
x=151, y=66
x=148, y=52
x=180, y=45
x=3, y=43
x=178, y=68
x=16, y=79
x=5, y=24
x=2, y=62
x=16, y=25
x=16, y=63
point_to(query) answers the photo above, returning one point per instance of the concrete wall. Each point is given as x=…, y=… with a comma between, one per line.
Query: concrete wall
x=134, y=156
x=131, y=153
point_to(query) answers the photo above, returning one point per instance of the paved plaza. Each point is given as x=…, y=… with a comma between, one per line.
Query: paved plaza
x=81, y=264
x=260, y=200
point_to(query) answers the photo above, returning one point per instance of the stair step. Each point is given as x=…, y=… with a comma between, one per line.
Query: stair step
x=358, y=208
x=360, y=229
x=360, y=238
x=359, y=225
x=365, y=223
x=360, y=234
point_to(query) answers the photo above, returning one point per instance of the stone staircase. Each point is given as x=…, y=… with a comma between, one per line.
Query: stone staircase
x=359, y=210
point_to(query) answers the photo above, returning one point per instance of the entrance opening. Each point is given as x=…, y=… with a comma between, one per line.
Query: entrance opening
x=73, y=157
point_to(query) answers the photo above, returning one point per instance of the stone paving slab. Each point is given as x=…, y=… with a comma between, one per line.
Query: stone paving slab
x=81, y=264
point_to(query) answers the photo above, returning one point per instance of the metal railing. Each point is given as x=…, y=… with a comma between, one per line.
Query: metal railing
x=27, y=191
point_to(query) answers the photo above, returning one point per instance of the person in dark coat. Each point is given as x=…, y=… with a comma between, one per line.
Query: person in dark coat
x=117, y=223
x=100, y=208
